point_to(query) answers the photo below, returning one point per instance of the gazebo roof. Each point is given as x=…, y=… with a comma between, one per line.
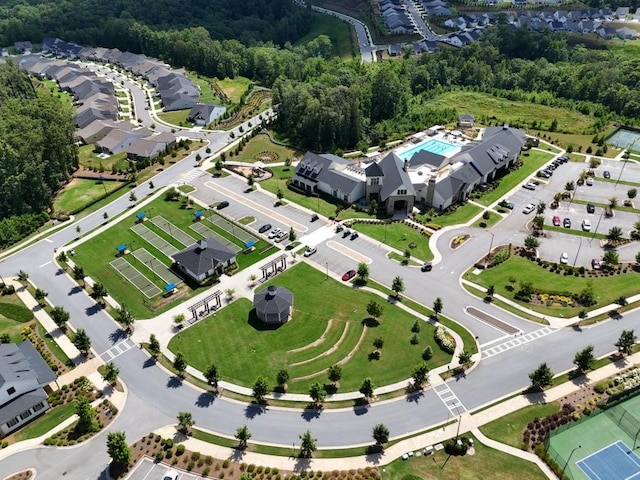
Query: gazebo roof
x=273, y=300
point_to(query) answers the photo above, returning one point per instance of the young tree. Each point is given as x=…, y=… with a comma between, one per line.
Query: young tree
x=363, y=271
x=625, y=342
x=437, y=306
x=631, y=193
x=541, y=377
x=375, y=310
x=380, y=435
x=82, y=341
x=250, y=181
x=610, y=258
x=22, y=275
x=133, y=198
x=125, y=317
x=280, y=195
x=420, y=375
x=334, y=373
x=464, y=358
x=317, y=394
x=282, y=378
x=242, y=435
x=154, y=346
x=99, y=292
x=40, y=295
x=307, y=445
x=180, y=363
x=78, y=274
x=615, y=234
x=178, y=319
x=62, y=258
x=491, y=290
x=292, y=235
x=367, y=388
x=260, y=389
x=613, y=202
x=212, y=376
x=110, y=374
x=584, y=358
x=185, y=422
x=397, y=286
x=118, y=449
x=531, y=242
x=540, y=208
x=378, y=343
x=86, y=414
x=570, y=186
x=60, y=316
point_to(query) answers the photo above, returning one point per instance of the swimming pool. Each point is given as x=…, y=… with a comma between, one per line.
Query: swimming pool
x=432, y=145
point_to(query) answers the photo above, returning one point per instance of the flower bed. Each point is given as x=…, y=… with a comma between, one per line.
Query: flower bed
x=445, y=341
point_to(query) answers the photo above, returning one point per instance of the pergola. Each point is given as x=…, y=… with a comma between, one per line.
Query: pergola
x=274, y=266
x=206, y=306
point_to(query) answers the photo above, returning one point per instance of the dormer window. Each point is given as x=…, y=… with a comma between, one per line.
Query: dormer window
x=11, y=390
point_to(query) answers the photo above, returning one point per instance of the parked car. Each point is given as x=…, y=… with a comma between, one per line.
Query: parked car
x=314, y=217
x=595, y=264
x=264, y=228
x=564, y=258
x=510, y=205
x=310, y=251
x=591, y=208
x=566, y=223
x=339, y=228
x=222, y=205
x=346, y=233
x=170, y=474
x=426, y=267
x=589, y=181
x=606, y=174
x=349, y=275
x=563, y=159
x=529, y=186
x=281, y=236
x=556, y=221
x=586, y=225
x=529, y=208
x=274, y=233
x=354, y=235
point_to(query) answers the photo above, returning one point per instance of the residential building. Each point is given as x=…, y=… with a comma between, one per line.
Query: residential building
x=203, y=114
x=205, y=258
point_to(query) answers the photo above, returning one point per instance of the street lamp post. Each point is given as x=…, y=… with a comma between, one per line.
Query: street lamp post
x=596, y=229
x=579, y=247
x=490, y=244
x=567, y=462
x=327, y=264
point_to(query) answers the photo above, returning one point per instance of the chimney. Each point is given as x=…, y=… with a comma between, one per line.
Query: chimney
x=271, y=289
x=202, y=244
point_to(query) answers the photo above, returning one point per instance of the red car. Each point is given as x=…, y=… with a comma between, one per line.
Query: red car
x=595, y=264
x=349, y=275
x=556, y=221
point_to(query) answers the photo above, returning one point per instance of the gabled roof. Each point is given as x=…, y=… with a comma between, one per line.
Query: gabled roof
x=21, y=404
x=203, y=255
x=394, y=176
x=23, y=362
x=373, y=170
x=448, y=187
x=328, y=169
x=497, y=146
x=424, y=157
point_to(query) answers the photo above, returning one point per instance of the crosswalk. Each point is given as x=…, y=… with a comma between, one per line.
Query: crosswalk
x=517, y=341
x=450, y=400
x=190, y=175
x=117, y=350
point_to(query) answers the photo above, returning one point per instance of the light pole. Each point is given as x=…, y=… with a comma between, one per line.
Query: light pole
x=567, y=462
x=596, y=229
x=327, y=264
x=579, y=247
x=490, y=244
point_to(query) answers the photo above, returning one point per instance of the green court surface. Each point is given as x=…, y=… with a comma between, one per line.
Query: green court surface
x=174, y=232
x=136, y=278
x=595, y=433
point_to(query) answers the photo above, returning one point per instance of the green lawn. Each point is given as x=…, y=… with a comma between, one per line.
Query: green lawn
x=607, y=289
x=487, y=223
x=95, y=254
x=177, y=117
x=234, y=87
x=81, y=192
x=186, y=188
x=509, y=429
x=89, y=159
x=206, y=92
x=532, y=159
x=338, y=31
x=460, y=215
x=54, y=347
x=399, y=236
x=258, y=350
x=14, y=316
x=486, y=463
x=262, y=143
x=248, y=220
x=53, y=417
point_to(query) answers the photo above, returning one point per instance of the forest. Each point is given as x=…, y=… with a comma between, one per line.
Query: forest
x=37, y=154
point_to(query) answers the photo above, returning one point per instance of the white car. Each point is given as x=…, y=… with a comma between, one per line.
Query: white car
x=590, y=181
x=586, y=225
x=274, y=233
x=564, y=258
x=310, y=251
x=528, y=209
x=170, y=474
x=529, y=186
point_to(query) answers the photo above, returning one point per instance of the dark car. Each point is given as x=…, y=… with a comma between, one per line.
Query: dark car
x=354, y=235
x=349, y=275
x=222, y=205
x=566, y=222
x=314, y=217
x=510, y=205
x=264, y=228
x=426, y=267
x=346, y=233
x=606, y=174
x=563, y=159
x=591, y=208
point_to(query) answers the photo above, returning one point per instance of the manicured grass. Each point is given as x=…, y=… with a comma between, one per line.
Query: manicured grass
x=606, y=288
x=399, y=236
x=485, y=463
x=614, y=180
x=234, y=87
x=15, y=311
x=500, y=110
x=248, y=220
x=461, y=215
x=488, y=223
x=177, y=117
x=532, y=161
x=258, y=350
x=509, y=428
x=81, y=192
x=95, y=254
x=89, y=159
x=262, y=143
x=186, y=188
x=338, y=31
x=206, y=92
x=401, y=259
x=55, y=416
x=481, y=293
x=54, y=347
x=575, y=231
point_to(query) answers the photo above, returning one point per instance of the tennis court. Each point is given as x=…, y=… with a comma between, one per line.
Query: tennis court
x=624, y=138
x=173, y=231
x=156, y=266
x=229, y=227
x=154, y=239
x=136, y=278
x=617, y=461
x=206, y=232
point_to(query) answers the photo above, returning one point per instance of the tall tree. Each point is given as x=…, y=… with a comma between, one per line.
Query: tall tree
x=60, y=316
x=154, y=346
x=397, y=285
x=260, y=389
x=626, y=342
x=334, y=373
x=212, y=375
x=363, y=271
x=380, y=434
x=185, y=422
x=86, y=415
x=584, y=358
x=437, y=306
x=180, y=363
x=82, y=341
x=118, y=449
x=125, y=317
x=317, y=394
x=541, y=377
x=375, y=310
x=307, y=445
x=110, y=374
x=367, y=388
x=243, y=435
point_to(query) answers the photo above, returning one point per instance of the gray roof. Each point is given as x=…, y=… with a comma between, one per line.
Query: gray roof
x=21, y=404
x=467, y=174
x=424, y=157
x=22, y=361
x=273, y=300
x=466, y=116
x=44, y=373
x=374, y=170
x=327, y=168
x=201, y=110
x=498, y=146
x=202, y=255
x=448, y=187
x=394, y=176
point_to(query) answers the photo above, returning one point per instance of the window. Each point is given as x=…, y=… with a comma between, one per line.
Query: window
x=38, y=407
x=12, y=422
x=375, y=181
x=25, y=415
x=402, y=192
x=11, y=390
x=345, y=198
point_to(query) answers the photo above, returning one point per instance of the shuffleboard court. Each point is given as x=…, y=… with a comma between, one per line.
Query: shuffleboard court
x=159, y=268
x=173, y=231
x=154, y=239
x=136, y=278
x=206, y=232
x=227, y=226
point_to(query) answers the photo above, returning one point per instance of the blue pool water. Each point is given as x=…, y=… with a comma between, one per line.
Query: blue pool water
x=432, y=145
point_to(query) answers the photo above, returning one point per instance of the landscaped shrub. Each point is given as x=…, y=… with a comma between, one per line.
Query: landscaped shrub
x=444, y=340
x=180, y=449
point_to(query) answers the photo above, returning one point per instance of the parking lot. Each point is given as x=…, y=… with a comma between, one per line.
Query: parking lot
x=149, y=470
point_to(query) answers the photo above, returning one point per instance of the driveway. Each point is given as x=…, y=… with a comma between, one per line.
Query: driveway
x=149, y=470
